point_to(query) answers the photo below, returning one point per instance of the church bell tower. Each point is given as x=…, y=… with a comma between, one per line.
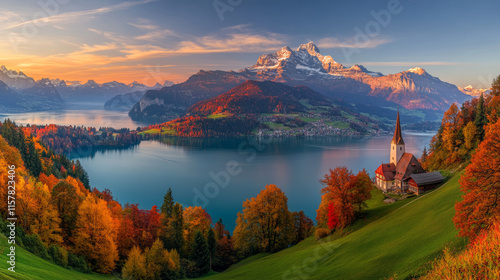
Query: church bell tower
x=397, y=144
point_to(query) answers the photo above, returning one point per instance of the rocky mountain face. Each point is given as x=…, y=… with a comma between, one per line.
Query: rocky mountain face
x=124, y=102
x=170, y=102
x=15, y=80
x=412, y=89
x=44, y=89
x=41, y=96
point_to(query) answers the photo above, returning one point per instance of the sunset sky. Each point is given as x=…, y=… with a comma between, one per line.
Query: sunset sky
x=156, y=40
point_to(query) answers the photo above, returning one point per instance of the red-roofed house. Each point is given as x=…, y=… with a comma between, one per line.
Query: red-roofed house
x=395, y=176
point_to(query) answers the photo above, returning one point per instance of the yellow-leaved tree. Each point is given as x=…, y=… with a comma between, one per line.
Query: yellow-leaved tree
x=46, y=219
x=195, y=219
x=135, y=267
x=95, y=236
x=265, y=224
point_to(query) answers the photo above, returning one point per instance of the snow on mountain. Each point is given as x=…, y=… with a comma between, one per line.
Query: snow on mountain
x=306, y=60
x=58, y=82
x=470, y=90
x=165, y=84
x=418, y=71
x=14, y=79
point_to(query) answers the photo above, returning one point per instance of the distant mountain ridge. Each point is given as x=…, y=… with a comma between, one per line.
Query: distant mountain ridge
x=14, y=79
x=41, y=96
x=124, y=102
x=470, y=90
x=412, y=89
x=74, y=90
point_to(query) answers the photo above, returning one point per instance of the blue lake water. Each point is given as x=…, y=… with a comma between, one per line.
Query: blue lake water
x=219, y=174
x=79, y=114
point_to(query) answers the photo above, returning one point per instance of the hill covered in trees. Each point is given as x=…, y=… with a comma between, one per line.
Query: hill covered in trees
x=267, y=108
x=252, y=97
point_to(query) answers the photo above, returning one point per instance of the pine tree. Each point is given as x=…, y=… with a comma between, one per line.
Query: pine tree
x=33, y=160
x=424, y=154
x=168, y=204
x=211, y=243
x=495, y=86
x=480, y=119
x=200, y=253
x=177, y=228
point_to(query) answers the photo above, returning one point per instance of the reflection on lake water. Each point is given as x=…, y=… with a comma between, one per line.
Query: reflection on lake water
x=199, y=171
x=89, y=115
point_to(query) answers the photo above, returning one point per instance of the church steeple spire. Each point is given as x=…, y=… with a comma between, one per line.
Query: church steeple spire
x=397, y=144
x=397, y=138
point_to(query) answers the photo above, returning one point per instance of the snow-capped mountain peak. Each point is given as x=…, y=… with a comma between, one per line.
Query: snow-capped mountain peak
x=135, y=84
x=417, y=70
x=12, y=73
x=284, y=53
x=311, y=48
x=470, y=90
x=58, y=82
x=14, y=79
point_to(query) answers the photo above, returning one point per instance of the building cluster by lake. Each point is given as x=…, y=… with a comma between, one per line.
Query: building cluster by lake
x=312, y=125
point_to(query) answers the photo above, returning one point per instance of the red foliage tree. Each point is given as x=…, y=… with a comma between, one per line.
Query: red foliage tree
x=481, y=187
x=333, y=216
x=145, y=224
x=348, y=193
x=50, y=180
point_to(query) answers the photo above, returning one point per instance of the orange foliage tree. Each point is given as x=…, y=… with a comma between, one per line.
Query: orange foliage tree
x=346, y=193
x=95, y=236
x=265, y=224
x=481, y=187
x=480, y=260
x=66, y=201
x=195, y=219
x=46, y=219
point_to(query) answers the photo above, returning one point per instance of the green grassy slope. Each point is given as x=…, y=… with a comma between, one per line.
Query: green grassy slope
x=400, y=243
x=29, y=266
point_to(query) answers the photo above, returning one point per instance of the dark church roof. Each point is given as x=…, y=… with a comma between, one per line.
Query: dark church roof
x=398, y=138
x=406, y=166
x=427, y=178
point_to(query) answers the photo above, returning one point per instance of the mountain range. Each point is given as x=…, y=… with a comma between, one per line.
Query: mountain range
x=42, y=95
x=61, y=90
x=306, y=66
x=124, y=102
